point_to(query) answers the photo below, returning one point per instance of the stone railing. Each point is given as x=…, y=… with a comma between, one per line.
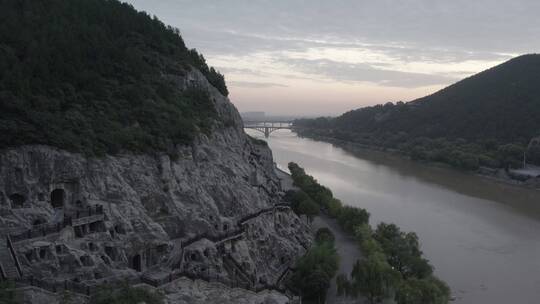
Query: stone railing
x=77, y=218
x=213, y=238
x=14, y=255
x=89, y=290
x=237, y=232
x=75, y=287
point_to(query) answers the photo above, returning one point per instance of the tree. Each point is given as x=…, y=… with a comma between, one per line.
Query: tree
x=335, y=206
x=351, y=217
x=302, y=203
x=343, y=285
x=455, y=125
x=98, y=79
x=363, y=232
x=314, y=272
x=324, y=235
x=374, y=278
x=533, y=154
x=308, y=208
x=402, y=251
x=422, y=291
x=7, y=293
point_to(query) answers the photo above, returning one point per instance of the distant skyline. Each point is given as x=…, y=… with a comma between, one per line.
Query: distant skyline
x=300, y=57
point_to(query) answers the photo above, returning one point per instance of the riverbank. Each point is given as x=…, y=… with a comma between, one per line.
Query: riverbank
x=494, y=174
x=466, y=223
x=346, y=246
x=384, y=263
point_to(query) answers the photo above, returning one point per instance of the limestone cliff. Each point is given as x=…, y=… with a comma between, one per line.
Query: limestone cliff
x=214, y=212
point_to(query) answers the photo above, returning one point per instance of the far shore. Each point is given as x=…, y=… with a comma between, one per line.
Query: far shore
x=494, y=174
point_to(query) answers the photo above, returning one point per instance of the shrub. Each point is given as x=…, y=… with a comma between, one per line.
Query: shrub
x=324, y=235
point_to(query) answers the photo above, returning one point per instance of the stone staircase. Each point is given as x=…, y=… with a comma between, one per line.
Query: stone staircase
x=8, y=262
x=237, y=272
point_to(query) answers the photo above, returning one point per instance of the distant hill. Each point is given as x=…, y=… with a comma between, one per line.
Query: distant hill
x=493, y=108
x=97, y=76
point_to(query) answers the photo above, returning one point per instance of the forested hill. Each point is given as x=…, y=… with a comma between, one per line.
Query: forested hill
x=477, y=115
x=89, y=76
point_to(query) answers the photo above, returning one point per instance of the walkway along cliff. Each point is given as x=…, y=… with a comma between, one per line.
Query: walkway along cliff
x=73, y=222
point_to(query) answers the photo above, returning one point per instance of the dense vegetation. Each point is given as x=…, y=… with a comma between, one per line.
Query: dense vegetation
x=7, y=292
x=315, y=269
x=485, y=120
x=302, y=204
x=97, y=76
x=392, y=264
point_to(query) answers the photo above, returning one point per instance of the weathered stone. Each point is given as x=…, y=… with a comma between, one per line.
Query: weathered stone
x=97, y=218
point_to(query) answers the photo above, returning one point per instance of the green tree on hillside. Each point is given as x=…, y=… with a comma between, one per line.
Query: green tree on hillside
x=402, y=251
x=351, y=217
x=314, y=271
x=422, y=291
x=511, y=155
x=374, y=278
x=99, y=77
x=324, y=235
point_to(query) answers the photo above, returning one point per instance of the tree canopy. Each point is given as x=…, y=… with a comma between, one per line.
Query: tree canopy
x=97, y=76
x=314, y=272
x=462, y=125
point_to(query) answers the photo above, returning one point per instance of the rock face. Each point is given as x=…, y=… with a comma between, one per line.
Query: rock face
x=200, y=292
x=215, y=212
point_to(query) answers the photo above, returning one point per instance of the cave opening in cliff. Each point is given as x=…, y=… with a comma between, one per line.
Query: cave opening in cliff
x=38, y=222
x=17, y=200
x=57, y=198
x=136, y=262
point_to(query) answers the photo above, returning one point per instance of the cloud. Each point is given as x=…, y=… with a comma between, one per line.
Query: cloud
x=385, y=49
x=241, y=71
x=503, y=26
x=254, y=85
x=361, y=72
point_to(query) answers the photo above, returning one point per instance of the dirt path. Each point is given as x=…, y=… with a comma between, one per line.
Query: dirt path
x=348, y=254
x=346, y=246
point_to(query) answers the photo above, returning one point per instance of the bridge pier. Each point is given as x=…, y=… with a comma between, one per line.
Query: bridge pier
x=267, y=127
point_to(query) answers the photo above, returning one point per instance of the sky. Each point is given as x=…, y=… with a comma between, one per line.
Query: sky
x=321, y=57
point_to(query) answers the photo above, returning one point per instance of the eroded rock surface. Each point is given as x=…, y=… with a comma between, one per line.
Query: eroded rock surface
x=213, y=212
x=201, y=292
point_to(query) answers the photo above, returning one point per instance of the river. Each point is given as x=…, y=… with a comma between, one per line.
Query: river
x=482, y=236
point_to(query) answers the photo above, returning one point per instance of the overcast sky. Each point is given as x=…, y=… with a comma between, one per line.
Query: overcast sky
x=325, y=57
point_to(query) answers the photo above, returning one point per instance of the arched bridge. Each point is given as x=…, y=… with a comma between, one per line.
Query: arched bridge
x=267, y=127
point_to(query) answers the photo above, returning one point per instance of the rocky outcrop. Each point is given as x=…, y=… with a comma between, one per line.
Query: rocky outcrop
x=200, y=292
x=214, y=211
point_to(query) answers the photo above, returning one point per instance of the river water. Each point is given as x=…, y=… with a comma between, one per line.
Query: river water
x=483, y=237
